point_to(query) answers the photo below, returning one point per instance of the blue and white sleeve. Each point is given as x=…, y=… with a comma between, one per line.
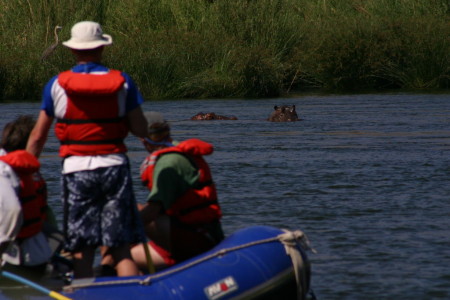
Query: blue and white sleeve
x=47, y=99
x=134, y=97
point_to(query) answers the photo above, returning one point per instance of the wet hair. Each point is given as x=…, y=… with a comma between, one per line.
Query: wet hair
x=159, y=131
x=158, y=128
x=15, y=133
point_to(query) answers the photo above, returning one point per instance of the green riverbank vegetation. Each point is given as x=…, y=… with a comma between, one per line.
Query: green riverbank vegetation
x=178, y=49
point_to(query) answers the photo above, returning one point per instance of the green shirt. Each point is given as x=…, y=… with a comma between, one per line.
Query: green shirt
x=173, y=175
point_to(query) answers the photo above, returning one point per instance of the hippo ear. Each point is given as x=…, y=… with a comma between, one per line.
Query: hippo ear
x=293, y=107
x=275, y=107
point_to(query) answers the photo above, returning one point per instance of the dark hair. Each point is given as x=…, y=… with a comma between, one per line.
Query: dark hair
x=15, y=134
x=88, y=54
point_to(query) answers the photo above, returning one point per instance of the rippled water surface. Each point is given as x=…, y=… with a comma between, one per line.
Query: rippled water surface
x=366, y=177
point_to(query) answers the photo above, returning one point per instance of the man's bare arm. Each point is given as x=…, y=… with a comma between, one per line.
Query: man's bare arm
x=39, y=134
x=137, y=122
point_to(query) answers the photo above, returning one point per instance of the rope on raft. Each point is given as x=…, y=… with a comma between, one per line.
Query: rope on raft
x=289, y=239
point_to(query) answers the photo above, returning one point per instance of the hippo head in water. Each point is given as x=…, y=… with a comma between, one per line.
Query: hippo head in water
x=284, y=113
x=211, y=116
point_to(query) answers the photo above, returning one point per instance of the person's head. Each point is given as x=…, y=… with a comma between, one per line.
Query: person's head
x=158, y=132
x=15, y=133
x=87, y=41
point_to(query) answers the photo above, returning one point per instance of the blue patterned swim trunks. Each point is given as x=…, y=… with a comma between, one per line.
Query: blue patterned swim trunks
x=100, y=208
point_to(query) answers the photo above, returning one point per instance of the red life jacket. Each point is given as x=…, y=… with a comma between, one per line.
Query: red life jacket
x=197, y=205
x=33, y=192
x=91, y=124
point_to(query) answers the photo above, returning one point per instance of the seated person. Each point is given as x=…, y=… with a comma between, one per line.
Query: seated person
x=11, y=217
x=182, y=215
x=21, y=182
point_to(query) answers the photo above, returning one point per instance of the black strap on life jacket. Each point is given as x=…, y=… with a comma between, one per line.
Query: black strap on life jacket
x=98, y=142
x=87, y=121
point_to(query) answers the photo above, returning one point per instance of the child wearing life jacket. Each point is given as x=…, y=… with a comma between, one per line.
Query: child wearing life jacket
x=182, y=214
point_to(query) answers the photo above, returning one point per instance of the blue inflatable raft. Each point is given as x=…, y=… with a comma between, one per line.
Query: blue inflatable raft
x=258, y=262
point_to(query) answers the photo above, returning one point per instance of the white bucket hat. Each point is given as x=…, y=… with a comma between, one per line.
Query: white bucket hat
x=87, y=35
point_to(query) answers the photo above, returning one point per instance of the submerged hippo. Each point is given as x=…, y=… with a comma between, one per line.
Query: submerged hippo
x=211, y=116
x=284, y=113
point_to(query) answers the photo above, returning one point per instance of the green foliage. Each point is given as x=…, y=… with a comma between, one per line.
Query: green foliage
x=236, y=48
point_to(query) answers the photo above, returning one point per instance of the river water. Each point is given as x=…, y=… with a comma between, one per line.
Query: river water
x=366, y=177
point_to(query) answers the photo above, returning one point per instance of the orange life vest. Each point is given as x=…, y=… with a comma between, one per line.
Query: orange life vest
x=197, y=205
x=91, y=124
x=33, y=192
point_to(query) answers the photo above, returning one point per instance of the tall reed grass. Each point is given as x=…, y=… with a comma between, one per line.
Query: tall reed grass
x=236, y=48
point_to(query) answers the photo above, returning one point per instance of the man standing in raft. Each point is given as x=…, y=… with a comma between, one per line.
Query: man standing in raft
x=182, y=215
x=95, y=107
